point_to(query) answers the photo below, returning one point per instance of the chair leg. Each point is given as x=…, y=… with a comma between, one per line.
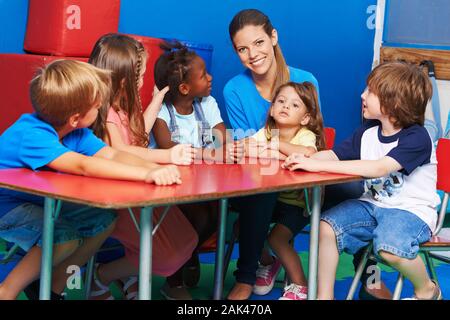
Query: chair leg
x=88, y=277
x=398, y=287
x=358, y=273
x=430, y=265
x=11, y=252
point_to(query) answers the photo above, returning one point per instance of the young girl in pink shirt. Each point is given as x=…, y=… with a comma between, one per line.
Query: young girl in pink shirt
x=122, y=124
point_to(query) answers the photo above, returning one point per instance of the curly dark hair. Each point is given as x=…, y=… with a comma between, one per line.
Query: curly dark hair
x=172, y=68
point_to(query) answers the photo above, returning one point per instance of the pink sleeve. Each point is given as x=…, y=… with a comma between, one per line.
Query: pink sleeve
x=121, y=122
x=113, y=117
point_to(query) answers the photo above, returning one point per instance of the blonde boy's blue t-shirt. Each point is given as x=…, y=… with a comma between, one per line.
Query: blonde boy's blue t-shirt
x=32, y=143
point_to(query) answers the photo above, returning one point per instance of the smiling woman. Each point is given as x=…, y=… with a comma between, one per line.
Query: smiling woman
x=247, y=95
x=247, y=99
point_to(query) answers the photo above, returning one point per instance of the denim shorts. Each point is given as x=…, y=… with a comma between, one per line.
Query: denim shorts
x=290, y=216
x=24, y=224
x=396, y=231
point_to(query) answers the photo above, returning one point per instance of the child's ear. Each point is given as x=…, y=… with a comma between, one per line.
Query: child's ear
x=184, y=88
x=74, y=119
x=306, y=119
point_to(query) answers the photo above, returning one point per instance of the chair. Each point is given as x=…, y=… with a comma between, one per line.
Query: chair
x=437, y=243
x=330, y=135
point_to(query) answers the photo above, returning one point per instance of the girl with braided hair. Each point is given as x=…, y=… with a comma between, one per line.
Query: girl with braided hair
x=123, y=125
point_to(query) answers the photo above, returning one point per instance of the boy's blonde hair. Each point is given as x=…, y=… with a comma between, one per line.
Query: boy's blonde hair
x=64, y=88
x=403, y=90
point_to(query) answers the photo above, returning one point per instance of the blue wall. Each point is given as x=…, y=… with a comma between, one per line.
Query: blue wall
x=13, y=21
x=329, y=38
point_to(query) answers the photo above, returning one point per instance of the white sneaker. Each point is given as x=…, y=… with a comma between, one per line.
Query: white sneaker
x=294, y=292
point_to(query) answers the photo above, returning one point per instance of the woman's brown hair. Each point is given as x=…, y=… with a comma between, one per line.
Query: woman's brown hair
x=308, y=94
x=125, y=57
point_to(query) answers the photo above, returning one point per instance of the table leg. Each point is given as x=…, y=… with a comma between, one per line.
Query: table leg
x=314, y=245
x=220, y=250
x=47, y=250
x=145, y=256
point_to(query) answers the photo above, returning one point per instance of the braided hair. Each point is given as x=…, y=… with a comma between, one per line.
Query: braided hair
x=125, y=57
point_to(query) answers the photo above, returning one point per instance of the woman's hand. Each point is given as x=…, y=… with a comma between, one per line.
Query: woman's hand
x=182, y=154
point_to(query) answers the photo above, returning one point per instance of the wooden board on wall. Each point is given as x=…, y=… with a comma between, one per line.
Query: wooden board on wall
x=441, y=58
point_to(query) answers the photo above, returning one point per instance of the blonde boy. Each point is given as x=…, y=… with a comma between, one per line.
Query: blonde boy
x=66, y=96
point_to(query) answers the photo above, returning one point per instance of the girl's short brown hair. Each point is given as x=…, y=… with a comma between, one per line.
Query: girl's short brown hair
x=308, y=94
x=403, y=90
x=64, y=88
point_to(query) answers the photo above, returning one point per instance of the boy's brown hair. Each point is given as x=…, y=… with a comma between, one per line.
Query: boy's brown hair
x=64, y=88
x=403, y=90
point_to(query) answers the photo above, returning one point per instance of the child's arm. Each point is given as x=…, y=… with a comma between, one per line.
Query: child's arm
x=325, y=155
x=233, y=151
x=112, y=164
x=162, y=134
x=228, y=150
x=288, y=148
x=180, y=154
x=151, y=113
x=304, y=142
x=256, y=149
x=365, y=168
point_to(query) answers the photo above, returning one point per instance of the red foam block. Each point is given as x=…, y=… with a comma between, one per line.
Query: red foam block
x=69, y=27
x=17, y=70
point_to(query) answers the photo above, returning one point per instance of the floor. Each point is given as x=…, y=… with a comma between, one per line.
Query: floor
x=204, y=289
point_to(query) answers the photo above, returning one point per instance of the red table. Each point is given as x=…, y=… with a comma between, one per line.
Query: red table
x=201, y=182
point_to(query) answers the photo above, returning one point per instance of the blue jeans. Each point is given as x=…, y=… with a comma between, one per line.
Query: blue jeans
x=396, y=231
x=337, y=193
x=24, y=224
